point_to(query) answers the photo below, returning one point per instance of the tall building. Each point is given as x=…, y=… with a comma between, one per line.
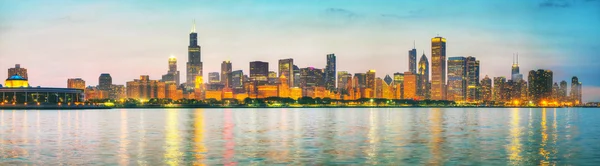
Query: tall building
x=457, y=75
x=226, y=73
x=563, y=91
x=76, y=83
x=498, y=89
x=342, y=80
x=412, y=60
x=540, y=85
x=515, y=73
x=555, y=90
x=486, y=89
x=361, y=80
x=286, y=68
x=104, y=82
x=388, y=80
x=272, y=77
x=330, y=69
x=370, y=80
x=259, y=71
x=172, y=76
x=311, y=77
x=472, y=79
x=576, y=91
x=423, y=78
x=438, y=68
x=399, y=84
x=213, y=77
x=194, y=64
x=296, y=77
x=410, y=85
x=17, y=70
x=146, y=89
x=237, y=79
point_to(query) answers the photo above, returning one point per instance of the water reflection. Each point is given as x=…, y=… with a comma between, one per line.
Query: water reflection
x=300, y=136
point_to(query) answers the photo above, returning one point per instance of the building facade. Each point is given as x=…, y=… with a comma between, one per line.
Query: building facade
x=17, y=70
x=194, y=63
x=457, y=75
x=286, y=68
x=76, y=83
x=438, y=68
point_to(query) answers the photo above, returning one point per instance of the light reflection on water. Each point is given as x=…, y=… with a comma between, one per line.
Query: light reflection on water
x=362, y=136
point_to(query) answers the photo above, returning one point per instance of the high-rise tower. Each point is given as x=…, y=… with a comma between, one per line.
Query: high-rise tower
x=194, y=64
x=412, y=60
x=286, y=68
x=172, y=76
x=226, y=73
x=423, y=77
x=472, y=79
x=330, y=72
x=515, y=75
x=438, y=68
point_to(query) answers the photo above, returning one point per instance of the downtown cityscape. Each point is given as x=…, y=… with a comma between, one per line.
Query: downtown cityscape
x=440, y=79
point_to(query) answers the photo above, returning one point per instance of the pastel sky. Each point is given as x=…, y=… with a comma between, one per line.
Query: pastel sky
x=57, y=40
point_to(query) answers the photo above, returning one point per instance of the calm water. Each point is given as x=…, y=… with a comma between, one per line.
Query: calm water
x=359, y=136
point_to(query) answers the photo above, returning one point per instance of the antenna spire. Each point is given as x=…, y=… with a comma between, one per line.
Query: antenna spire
x=194, y=26
x=517, y=58
x=414, y=45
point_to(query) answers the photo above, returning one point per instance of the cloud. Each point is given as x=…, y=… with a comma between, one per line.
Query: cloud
x=341, y=12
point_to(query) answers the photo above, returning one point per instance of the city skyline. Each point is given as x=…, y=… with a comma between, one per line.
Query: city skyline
x=382, y=54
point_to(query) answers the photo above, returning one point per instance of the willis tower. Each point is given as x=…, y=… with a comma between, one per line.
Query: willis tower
x=194, y=64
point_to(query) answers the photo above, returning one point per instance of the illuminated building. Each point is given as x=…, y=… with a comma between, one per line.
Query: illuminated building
x=498, y=89
x=486, y=88
x=472, y=79
x=18, y=91
x=259, y=71
x=370, y=80
x=576, y=90
x=172, y=75
x=286, y=68
x=194, y=63
x=457, y=75
x=17, y=70
x=360, y=80
x=117, y=92
x=104, y=82
x=387, y=90
x=540, y=85
x=272, y=77
x=227, y=93
x=342, y=80
x=388, y=80
x=423, y=84
x=438, y=68
x=412, y=60
x=144, y=88
x=213, y=77
x=366, y=92
x=410, y=85
x=399, y=85
x=265, y=91
x=284, y=88
x=237, y=81
x=311, y=77
x=295, y=93
x=213, y=94
x=296, y=77
x=515, y=73
x=172, y=92
x=562, y=92
x=240, y=96
x=330, y=69
x=555, y=91
x=226, y=74
x=75, y=83
x=379, y=84
x=95, y=93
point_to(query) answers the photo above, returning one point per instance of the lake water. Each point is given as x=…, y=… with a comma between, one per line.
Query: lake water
x=354, y=136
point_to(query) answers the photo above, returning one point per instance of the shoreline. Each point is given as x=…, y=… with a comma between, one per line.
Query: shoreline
x=244, y=107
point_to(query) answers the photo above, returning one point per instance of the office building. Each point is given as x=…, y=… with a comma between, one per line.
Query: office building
x=213, y=77
x=438, y=68
x=540, y=85
x=330, y=71
x=472, y=79
x=146, y=89
x=104, y=82
x=486, y=89
x=226, y=74
x=498, y=89
x=563, y=91
x=370, y=80
x=412, y=60
x=576, y=91
x=194, y=63
x=172, y=76
x=286, y=67
x=423, y=84
x=76, y=83
x=410, y=86
x=17, y=70
x=259, y=71
x=457, y=75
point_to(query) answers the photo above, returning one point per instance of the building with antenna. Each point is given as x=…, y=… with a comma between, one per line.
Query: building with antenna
x=516, y=76
x=194, y=63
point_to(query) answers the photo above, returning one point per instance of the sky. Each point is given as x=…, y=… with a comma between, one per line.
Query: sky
x=57, y=40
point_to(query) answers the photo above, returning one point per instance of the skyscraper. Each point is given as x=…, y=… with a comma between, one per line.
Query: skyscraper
x=194, y=64
x=370, y=80
x=342, y=80
x=486, y=89
x=172, y=76
x=76, y=83
x=457, y=75
x=17, y=70
x=499, y=89
x=226, y=74
x=412, y=60
x=213, y=77
x=311, y=77
x=563, y=91
x=575, y=90
x=540, y=85
x=515, y=74
x=438, y=68
x=388, y=80
x=259, y=71
x=361, y=80
x=330, y=69
x=472, y=79
x=410, y=85
x=237, y=79
x=286, y=68
x=423, y=77
x=104, y=82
